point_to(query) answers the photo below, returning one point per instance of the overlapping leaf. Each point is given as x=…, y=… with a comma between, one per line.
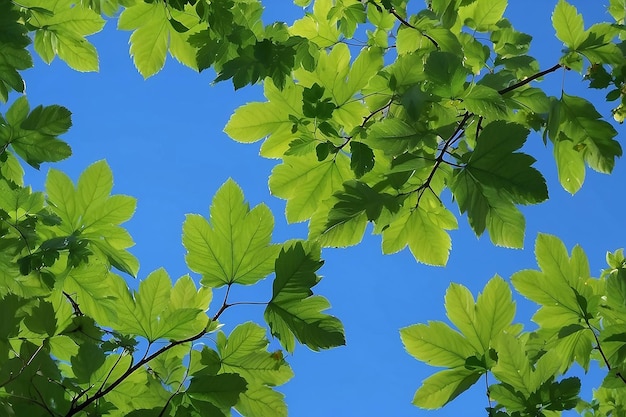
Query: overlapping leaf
x=305, y=182
x=158, y=29
x=61, y=29
x=496, y=178
x=565, y=298
x=158, y=310
x=244, y=352
x=422, y=229
x=89, y=212
x=33, y=135
x=294, y=312
x=13, y=54
x=234, y=246
x=580, y=136
x=467, y=353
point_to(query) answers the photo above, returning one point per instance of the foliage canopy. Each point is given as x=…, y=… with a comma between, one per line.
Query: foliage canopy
x=432, y=101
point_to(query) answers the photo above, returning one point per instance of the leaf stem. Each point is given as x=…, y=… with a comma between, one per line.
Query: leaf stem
x=599, y=347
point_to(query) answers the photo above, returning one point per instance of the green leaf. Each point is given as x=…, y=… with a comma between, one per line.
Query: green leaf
x=317, y=27
x=305, y=182
x=423, y=230
x=395, y=136
x=254, y=121
x=159, y=311
x=13, y=53
x=235, y=246
x=293, y=311
x=90, y=213
x=484, y=101
x=443, y=387
x=62, y=32
x=446, y=74
x=262, y=401
x=244, y=352
x=343, y=222
x=580, y=122
x=482, y=15
x=153, y=35
x=495, y=165
x=570, y=165
x=362, y=158
x=436, y=344
x=33, y=135
x=568, y=24
x=221, y=390
x=486, y=208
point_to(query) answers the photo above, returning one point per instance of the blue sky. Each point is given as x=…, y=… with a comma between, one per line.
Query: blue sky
x=163, y=139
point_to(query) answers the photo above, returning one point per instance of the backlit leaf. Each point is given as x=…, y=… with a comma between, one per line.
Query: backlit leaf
x=234, y=246
x=294, y=312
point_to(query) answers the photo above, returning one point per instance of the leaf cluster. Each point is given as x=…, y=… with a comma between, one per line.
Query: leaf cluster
x=580, y=319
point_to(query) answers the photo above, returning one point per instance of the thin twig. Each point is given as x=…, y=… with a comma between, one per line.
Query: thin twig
x=407, y=24
x=529, y=79
x=12, y=377
x=365, y=120
x=75, y=410
x=439, y=160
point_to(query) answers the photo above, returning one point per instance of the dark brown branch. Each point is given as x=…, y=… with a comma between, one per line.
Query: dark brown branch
x=75, y=410
x=74, y=304
x=439, y=160
x=530, y=79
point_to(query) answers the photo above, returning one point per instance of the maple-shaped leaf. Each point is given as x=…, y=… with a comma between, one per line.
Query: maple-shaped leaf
x=158, y=29
x=468, y=352
x=60, y=29
x=159, y=311
x=496, y=178
x=233, y=247
x=422, y=229
x=342, y=220
x=560, y=287
x=305, y=182
x=317, y=27
x=89, y=212
x=257, y=120
x=33, y=135
x=293, y=311
x=244, y=352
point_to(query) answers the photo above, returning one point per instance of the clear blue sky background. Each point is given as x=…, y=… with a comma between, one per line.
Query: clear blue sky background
x=163, y=139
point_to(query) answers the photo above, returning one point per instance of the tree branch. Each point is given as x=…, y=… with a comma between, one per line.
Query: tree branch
x=439, y=160
x=74, y=410
x=530, y=79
